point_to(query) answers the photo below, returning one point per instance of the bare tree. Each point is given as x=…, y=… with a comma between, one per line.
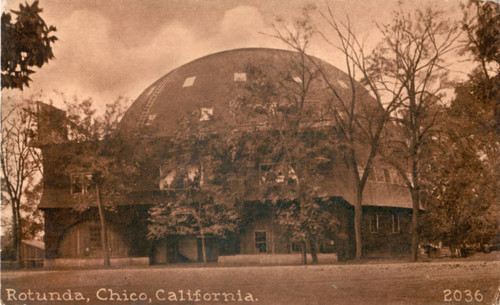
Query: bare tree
x=412, y=53
x=360, y=119
x=20, y=161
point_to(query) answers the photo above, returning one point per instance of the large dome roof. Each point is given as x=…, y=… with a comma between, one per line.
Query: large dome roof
x=212, y=83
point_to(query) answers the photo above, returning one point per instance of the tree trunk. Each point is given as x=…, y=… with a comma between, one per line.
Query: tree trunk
x=15, y=234
x=414, y=225
x=358, y=216
x=203, y=248
x=20, y=235
x=358, y=207
x=273, y=243
x=304, y=252
x=104, y=235
x=314, y=253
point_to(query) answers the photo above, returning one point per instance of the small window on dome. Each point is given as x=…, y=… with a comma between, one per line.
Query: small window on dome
x=240, y=77
x=342, y=84
x=151, y=118
x=297, y=79
x=150, y=91
x=189, y=81
x=206, y=114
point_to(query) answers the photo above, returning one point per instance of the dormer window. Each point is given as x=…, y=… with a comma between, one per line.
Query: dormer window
x=240, y=77
x=80, y=183
x=206, y=113
x=189, y=81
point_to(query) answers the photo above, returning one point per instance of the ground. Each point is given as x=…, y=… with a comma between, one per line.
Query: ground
x=457, y=282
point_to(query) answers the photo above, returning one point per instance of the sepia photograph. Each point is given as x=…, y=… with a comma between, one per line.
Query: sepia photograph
x=267, y=152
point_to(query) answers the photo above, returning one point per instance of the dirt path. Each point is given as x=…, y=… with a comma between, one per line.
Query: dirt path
x=400, y=283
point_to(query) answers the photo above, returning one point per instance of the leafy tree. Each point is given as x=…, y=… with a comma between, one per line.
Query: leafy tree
x=461, y=183
x=32, y=217
x=26, y=43
x=197, y=179
x=362, y=118
x=99, y=155
x=481, y=24
x=460, y=189
x=277, y=109
x=21, y=165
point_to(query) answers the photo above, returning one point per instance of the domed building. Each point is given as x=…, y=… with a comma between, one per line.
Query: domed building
x=213, y=87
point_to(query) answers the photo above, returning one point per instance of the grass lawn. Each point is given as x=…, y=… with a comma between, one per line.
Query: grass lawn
x=349, y=284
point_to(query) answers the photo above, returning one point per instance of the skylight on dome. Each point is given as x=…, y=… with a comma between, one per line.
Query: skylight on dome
x=240, y=77
x=206, y=114
x=342, y=84
x=150, y=91
x=151, y=118
x=189, y=81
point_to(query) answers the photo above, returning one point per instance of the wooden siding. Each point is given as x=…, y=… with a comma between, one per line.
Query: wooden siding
x=84, y=240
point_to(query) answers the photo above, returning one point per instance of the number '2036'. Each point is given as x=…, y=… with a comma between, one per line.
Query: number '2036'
x=459, y=295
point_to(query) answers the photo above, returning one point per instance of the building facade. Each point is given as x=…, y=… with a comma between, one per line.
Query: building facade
x=212, y=86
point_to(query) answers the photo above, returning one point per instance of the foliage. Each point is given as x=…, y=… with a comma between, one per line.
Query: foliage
x=98, y=149
x=98, y=158
x=26, y=43
x=276, y=110
x=197, y=178
x=32, y=217
x=462, y=179
x=481, y=24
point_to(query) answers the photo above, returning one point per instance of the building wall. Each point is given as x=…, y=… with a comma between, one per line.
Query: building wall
x=83, y=239
x=67, y=232
x=176, y=249
x=259, y=233
x=31, y=256
x=263, y=237
x=188, y=248
x=388, y=238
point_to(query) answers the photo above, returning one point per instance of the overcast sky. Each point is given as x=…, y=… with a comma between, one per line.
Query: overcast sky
x=108, y=48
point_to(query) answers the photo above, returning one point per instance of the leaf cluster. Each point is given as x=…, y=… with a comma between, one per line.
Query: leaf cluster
x=26, y=43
